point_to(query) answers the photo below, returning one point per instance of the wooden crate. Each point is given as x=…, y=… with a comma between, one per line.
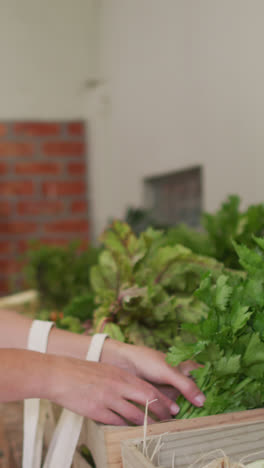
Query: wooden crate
x=238, y=435
x=25, y=302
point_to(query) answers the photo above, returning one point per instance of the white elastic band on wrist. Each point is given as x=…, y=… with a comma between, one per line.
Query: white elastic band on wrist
x=66, y=435
x=34, y=409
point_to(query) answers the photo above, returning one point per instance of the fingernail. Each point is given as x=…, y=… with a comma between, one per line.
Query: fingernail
x=199, y=400
x=174, y=409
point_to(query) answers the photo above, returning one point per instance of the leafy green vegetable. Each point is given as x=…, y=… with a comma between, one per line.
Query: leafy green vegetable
x=81, y=307
x=229, y=341
x=157, y=271
x=191, y=238
x=230, y=224
x=86, y=454
x=144, y=286
x=59, y=274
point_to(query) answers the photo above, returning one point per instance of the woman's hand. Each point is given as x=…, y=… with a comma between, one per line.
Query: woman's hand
x=106, y=393
x=143, y=362
x=151, y=366
x=95, y=390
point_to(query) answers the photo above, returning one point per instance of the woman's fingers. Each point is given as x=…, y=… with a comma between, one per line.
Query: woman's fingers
x=187, y=367
x=106, y=416
x=151, y=366
x=171, y=392
x=141, y=392
x=187, y=387
x=130, y=412
x=160, y=410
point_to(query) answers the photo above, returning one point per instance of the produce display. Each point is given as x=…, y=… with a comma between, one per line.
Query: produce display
x=62, y=275
x=195, y=295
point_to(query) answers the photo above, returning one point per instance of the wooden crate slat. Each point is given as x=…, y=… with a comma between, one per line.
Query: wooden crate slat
x=133, y=458
x=236, y=441
x=19, y=298
x=95, y=441
x=25, y=302
x=105, y=441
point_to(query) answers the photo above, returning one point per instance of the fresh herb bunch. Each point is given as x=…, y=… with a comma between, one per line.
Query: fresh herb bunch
x=220, y=229
x=144, y=287
x=60, y=274
x=230, y=341
x=230, y=224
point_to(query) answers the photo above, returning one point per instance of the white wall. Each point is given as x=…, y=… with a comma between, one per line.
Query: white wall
x=47, y=53
x=185, y=81
x=183, y=86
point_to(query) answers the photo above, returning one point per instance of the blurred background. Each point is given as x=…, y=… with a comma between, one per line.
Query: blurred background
x=111, y=104
x=145, y=111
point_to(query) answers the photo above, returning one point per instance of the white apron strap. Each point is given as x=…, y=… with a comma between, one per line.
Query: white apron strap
x=66, y=435
x=34, y=409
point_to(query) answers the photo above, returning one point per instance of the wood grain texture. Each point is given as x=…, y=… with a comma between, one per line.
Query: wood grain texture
x=105, y=441
x=132, y=457
x=236, y=440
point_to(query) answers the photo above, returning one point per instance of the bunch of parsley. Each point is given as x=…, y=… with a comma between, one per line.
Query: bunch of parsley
x=230, y=341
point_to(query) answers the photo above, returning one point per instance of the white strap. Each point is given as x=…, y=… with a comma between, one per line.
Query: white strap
x=34, y=409
x=39, y=335
x=67, y=432
x=96, y=346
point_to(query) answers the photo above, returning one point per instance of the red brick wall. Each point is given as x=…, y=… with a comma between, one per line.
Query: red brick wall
x=43, y=193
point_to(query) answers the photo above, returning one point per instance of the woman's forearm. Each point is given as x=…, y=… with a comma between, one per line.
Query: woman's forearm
x=26, y=374
x=65, y=343
x=14, y=330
